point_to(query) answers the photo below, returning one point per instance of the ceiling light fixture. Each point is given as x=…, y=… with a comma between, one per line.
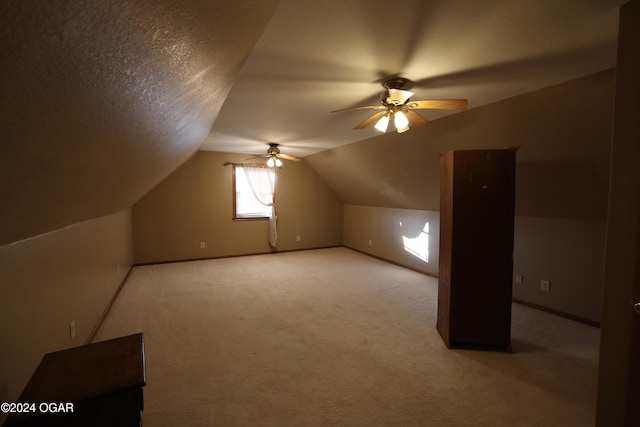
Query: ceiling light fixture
x=397, y=96
x=274, y=156
x=396, y=102
x=274, y=161
x=383, y=123
x=401, y=122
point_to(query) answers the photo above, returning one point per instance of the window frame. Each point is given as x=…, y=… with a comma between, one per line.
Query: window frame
x=234, y=195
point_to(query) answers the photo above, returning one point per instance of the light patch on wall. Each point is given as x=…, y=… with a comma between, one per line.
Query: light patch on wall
x=418, y=246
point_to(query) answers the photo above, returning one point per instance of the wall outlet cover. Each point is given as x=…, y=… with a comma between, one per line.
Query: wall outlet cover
x=545, y=285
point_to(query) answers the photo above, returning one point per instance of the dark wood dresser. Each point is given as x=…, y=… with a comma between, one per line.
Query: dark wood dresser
x=101, y=382
x=477, y=200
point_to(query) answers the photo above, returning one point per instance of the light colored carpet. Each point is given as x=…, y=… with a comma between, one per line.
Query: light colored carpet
x=333, y=337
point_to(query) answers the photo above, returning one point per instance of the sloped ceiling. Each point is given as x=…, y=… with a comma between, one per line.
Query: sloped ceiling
x=321, y=55
x=100, y=101
x=564, y=137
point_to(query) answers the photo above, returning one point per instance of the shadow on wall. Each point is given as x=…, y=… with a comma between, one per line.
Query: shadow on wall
x=560, y=190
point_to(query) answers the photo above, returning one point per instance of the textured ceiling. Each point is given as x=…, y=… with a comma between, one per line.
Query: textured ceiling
x=100, y=101
x=320, y=55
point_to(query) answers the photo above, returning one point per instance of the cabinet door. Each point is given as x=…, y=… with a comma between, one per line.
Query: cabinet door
x=476, y=241
x=482, y=265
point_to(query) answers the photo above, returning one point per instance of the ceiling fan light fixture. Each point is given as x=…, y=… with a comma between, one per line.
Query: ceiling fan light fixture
x=274, y=157
x=396, y=101
x=401, y=122
x=274, y=161
x=399, y=96
x=383, y=123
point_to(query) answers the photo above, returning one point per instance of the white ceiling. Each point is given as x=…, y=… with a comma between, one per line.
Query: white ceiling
x=320, y=55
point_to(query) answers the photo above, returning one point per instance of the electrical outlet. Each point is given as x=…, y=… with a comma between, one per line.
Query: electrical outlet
x=370, y=242
x=545, y=286
x=298, y=238
x=519, y=279
x=202, y=245
x=72, y=329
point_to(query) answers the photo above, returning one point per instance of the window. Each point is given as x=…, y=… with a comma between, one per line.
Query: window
x=245, y=203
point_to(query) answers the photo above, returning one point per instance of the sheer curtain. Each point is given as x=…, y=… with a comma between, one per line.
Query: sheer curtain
x=262, y=181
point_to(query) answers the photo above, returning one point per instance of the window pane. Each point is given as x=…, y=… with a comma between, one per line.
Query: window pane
x=247, y=206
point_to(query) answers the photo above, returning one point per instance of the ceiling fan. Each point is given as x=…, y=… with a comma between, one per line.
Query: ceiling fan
x=396, y=102
x=274, y=155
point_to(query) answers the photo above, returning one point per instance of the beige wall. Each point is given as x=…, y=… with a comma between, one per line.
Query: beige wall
x=407, y=237
x=564, y=135
x=194, y=205
x=569, y=253
x=560, y=251
x=50, y=280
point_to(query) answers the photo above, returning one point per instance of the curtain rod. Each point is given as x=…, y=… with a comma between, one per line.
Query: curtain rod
x=236, y=163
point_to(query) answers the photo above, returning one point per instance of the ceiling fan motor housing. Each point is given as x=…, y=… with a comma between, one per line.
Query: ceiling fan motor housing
x=395, y=83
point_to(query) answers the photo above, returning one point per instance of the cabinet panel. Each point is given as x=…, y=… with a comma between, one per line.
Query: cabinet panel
x=476, y=246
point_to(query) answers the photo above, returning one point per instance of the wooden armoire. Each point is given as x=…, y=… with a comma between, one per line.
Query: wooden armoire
x=477, y=198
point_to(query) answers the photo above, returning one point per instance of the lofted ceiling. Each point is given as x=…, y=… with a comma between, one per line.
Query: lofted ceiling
x=316, y=56
x=100, y=101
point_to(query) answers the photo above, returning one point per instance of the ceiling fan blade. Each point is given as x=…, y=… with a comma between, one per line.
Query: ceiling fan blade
x=289, y=157
x=440, y=104
x=366, y=122
x=415, y=119
x=364, y=107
